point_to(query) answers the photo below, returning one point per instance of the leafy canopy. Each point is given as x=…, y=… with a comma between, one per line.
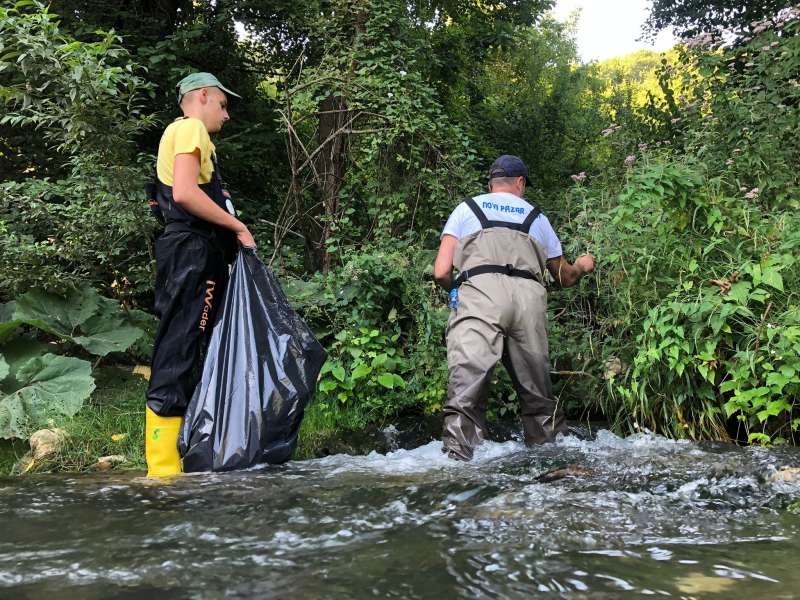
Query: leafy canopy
x=690, y=18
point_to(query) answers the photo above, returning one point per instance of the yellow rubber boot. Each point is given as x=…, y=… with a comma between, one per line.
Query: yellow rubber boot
x=161, y=444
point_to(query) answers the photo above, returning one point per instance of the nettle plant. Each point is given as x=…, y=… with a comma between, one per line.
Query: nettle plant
x=717, y=353
x=366, y=366
x=695, y=307
x=357, y=311
x=705, y=341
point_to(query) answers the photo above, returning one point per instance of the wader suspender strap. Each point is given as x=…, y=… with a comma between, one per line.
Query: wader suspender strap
x=509, y=270
x=180, y=226
x=216, y=172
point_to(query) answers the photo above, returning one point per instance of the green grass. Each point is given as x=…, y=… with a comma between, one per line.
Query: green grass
x=10, y=452
x=325, y=424
x=116, y=408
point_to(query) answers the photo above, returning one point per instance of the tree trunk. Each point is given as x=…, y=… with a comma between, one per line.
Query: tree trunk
x=330, y=166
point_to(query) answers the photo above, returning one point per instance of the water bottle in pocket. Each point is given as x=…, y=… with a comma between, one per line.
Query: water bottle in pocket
x=452, y=299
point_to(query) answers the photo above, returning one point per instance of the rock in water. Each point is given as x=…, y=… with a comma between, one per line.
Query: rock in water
x=561, y=473
x=790, y=474
x=106, y=463
x=46, y=442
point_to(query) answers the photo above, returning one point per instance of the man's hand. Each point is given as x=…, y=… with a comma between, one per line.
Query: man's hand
x=244, y=237
x=585, y=263
x=566, y=274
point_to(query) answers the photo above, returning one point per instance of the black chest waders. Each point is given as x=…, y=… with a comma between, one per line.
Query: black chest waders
x=501, y=316
x=192, y=258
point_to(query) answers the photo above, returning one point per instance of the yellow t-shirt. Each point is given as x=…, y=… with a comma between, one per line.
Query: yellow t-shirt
x=182, y=136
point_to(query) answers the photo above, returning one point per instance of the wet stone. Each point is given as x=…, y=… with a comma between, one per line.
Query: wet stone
x=788, y=474
x=561, y=473
x=106, y=463
x=46, y=442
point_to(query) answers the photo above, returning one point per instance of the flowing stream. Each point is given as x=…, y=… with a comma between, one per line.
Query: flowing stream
x=641, y=516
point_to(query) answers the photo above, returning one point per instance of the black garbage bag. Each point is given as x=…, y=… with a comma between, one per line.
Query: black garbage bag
x=259, y=373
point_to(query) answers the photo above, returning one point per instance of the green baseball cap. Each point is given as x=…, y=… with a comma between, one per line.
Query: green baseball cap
x=195, y=81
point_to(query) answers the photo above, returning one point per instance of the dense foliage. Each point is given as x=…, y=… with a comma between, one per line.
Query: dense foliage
x=696, y=312
x=71, y=214
x=364, y=122
x=693, y=17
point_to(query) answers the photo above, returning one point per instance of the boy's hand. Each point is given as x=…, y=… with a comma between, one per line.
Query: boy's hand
x=244, y=237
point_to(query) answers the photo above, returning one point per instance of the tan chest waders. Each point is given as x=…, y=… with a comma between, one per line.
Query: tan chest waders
x=501, y=316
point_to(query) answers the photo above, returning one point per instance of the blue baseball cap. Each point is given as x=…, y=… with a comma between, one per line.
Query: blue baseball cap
x=509, y=166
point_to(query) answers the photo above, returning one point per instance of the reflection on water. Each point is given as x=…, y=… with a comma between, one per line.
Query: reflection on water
x=628, y=517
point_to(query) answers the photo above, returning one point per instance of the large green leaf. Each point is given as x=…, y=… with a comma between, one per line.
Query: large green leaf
x=13, y=422
x=16, y=353
x=773, y=278
x=104, y=333
x=142, y=347
x=387, y=380
x=4, y=368
x=56, y=314
x=8, y=322
x=83, y=317
x=361, y=370
x=50, y=389
x=338, y=372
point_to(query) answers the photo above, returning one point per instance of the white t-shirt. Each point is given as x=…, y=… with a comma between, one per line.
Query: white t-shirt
x=503, y=206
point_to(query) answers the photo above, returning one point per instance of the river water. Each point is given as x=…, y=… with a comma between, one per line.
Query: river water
x=634, y=517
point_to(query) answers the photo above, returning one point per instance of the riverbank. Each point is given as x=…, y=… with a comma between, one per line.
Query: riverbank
x=689, y=327
x=108, y=432
x=111, y=424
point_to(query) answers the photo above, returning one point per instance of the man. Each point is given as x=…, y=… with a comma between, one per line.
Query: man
x=192, y=256
x=501, y=245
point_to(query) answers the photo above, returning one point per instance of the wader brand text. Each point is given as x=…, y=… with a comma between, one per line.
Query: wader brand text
x=207, y=304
